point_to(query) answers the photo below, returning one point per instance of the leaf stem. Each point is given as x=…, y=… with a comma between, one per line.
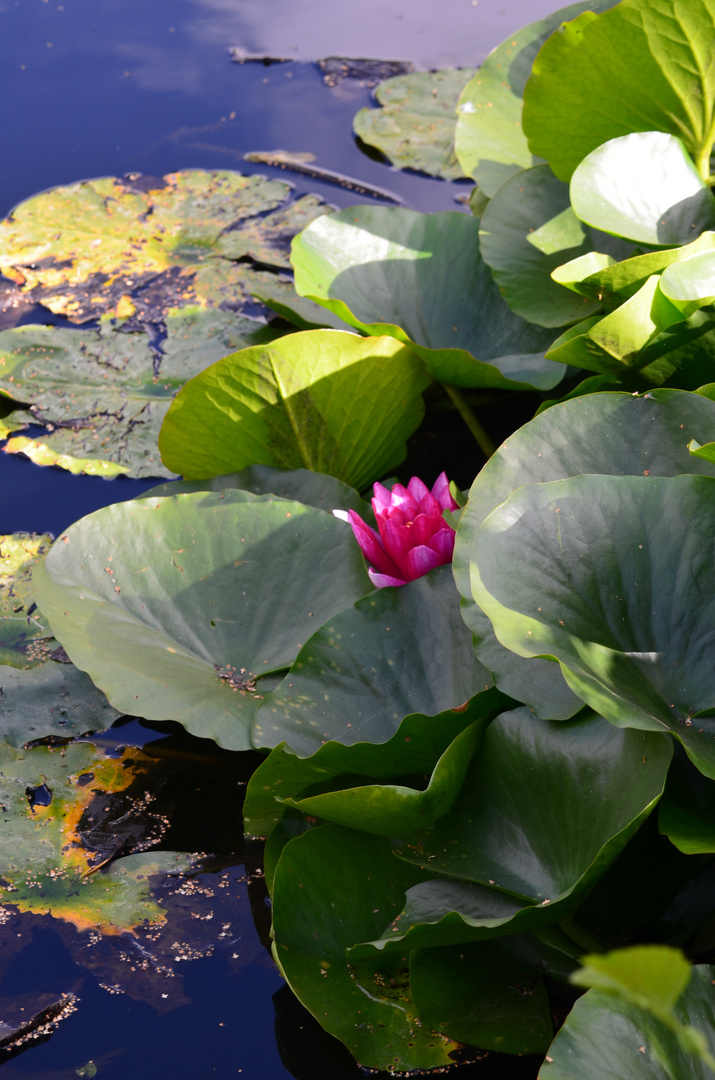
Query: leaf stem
x=702, y=162
x=484, y=442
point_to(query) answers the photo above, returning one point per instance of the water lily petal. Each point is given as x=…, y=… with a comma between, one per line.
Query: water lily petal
x=417, y=489
x=371, y=545
x=420, y=560
x=442, y=543
x=380, y=580
x=440, y=490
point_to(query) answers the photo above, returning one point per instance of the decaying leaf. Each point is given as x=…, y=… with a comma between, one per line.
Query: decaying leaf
x=21, y=626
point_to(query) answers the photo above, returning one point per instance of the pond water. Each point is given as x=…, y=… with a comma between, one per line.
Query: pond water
x=108, y=87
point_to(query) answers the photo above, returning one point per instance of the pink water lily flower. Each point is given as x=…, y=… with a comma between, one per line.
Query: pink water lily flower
x=413, y=536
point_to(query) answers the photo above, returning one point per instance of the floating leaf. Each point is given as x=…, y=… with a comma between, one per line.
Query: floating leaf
x=415, y=125
x=489, y=994
x=628, y=612
x=644, y=187
x=20, y=625
x=163, y=242
x=334, y=887
x=325, y=400
x=53, y=699
x=103, y=393
x=393, y=271
x=490, y=144
x=45, y=863
x=179, y=607
x=636, y=67
x=395, y=652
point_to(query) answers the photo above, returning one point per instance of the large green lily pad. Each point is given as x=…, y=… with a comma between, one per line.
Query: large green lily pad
x=627, y=613
x=179, y=608
x=325, y=400
x=54, y=699
x=415, y=125
x=490, y=144
x=110, y=246
x=395, y=652
x=584, y=435
x=420, y=279
x=637, y=67
x=103, y=394
x=333, y=887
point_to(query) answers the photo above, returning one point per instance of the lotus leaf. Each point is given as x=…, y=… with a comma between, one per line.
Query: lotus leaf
x=322, y=399
x=179, y=608
x=391, y=271
x=582, y=90
x=415, y=125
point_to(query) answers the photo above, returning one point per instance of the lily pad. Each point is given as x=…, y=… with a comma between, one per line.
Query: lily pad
x=414, y=128
x=46, y=867
x=178, y=608
x=644, y=187
x=584, y=435
x=333, y=887
x=627, y=614
x=527, y=230
x=103, y=394
x=84, y=249
x=21, y=624
x=52, y=699
x=636, y=67
x=490, y=144
x=391, y=271
x=395, y=652
x=544, y=810
x=640, y=1045
x=325, y=400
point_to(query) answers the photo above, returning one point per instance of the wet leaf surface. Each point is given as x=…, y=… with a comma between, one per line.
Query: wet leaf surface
x=21, y=624
x=416, y=123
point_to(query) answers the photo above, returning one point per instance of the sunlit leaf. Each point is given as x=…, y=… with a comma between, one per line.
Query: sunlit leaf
x=637, y=67
x=20, y=623
x=420, y=279
x=643, y=187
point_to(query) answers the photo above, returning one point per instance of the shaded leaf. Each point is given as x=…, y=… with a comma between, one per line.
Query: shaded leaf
x=636, y=67
x=395, y=652
x=627, y=612
x=333, y=887
x=420, y=279
x=53, y=699
x=325, y=400
x=179, y=608
x=544, y=810
x=415, y=125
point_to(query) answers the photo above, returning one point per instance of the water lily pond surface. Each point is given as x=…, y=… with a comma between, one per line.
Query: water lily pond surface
x=101, y=88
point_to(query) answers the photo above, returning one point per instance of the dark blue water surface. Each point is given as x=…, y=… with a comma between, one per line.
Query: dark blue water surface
x=107, y=87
